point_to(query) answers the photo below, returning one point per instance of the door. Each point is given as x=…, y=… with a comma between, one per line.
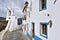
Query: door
x=32, y=31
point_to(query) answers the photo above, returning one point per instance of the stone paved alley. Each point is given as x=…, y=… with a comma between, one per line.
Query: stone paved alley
x=15, y=35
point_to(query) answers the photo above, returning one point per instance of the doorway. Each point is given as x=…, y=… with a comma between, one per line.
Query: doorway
x=33, y=26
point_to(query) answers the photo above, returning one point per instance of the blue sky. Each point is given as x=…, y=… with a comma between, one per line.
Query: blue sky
x=8, y=3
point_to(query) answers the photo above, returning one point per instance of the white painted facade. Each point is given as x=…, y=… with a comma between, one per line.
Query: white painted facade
x=37, y=16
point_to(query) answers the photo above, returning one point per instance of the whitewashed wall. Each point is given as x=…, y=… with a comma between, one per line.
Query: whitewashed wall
x=37, y=16
x=54, y=10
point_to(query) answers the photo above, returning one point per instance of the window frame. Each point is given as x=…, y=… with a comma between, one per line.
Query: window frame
x=45, y=36
x=40, y=8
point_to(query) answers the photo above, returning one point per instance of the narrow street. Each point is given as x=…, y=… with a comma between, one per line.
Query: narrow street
x=15, y=35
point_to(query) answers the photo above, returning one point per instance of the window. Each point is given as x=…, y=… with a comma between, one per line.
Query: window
x=19, y=21
x=42, y=4
x=9, y=12
x=43, y=29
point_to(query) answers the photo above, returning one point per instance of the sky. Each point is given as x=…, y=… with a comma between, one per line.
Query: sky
x=4, y=4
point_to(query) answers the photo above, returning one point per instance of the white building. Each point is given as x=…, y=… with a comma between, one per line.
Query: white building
x=44, y=19
x=43, y=23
